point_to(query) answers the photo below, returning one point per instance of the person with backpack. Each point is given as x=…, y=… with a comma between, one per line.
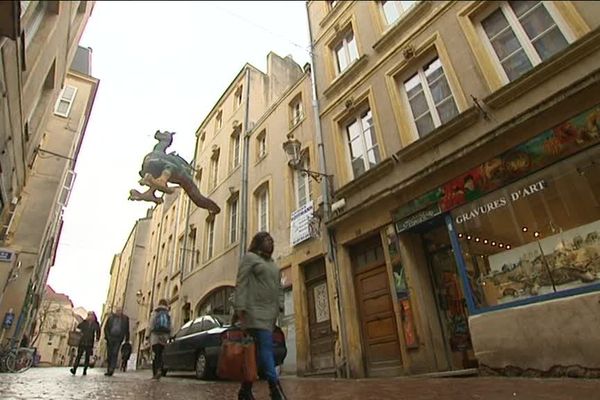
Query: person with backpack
x=116, y=330
x=159, y=334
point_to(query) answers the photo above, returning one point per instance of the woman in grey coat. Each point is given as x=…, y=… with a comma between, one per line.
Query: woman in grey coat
x=160, y=332
x=258, y=301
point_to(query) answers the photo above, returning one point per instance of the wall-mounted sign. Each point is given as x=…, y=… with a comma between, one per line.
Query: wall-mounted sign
x=300, y=224
x=417, y=218
x=550, y=146
x=6, y=256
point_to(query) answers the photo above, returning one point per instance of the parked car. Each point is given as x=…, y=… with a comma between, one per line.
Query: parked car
x=197, y=344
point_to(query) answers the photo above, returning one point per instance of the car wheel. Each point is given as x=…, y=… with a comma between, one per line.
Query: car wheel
x=201, y=366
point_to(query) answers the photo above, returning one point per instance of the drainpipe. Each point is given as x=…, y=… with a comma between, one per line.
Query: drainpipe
x=326, y=186
x=245, y=163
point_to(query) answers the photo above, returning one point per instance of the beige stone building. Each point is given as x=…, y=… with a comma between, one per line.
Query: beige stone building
x=47, y=96
x=464, y=142
x=55, y=319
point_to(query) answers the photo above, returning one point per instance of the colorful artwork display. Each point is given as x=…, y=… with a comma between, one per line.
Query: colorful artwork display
x=570, y=137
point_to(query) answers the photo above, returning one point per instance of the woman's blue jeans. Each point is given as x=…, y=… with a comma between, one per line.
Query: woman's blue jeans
x=266, y=356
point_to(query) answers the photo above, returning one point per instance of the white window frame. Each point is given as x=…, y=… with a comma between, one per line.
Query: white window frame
x=400, y=9
x=235, y=149
x=428, y=97
x=233, y=219
x=214, y=171
x=262, y=144
x=345, y=43
x=302, y=178
x=358, y=119
x=297, y=110
x=66, y=99
x=210, y=238
x=36, y=21
x=262, y=209
x=521, y=35
x=219, y=120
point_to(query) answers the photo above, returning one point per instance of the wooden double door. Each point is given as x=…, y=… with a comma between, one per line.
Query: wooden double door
x=381, y=344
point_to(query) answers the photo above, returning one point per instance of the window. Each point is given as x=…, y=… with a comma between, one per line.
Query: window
x=219, y=120
x=214, y=170
x=430, y=98
x=523, y=34
x=202, y=140
x=261, y=144
x=346, y=52
x=296, y=111
x=362, y=143
x=238, y=96
x=210, y=238
x=36, y=22
x=262, y=198
x=199, y=178
x=333, y=3
x=302, y=184
x=233, y=219
x=235, y=148
x=191, y=255
x=393, y=10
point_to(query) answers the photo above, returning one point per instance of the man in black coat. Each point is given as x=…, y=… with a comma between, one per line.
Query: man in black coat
x=116, y=330
x=90, y=333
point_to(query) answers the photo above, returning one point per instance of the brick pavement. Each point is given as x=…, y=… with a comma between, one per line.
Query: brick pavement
x=58, y=384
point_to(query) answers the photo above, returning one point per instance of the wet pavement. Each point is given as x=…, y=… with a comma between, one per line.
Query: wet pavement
x=59, y=384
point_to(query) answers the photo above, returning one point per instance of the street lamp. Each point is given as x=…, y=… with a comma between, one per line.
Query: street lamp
x=292, y=148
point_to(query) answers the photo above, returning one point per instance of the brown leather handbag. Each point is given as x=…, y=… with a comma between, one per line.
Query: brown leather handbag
x=237, y=360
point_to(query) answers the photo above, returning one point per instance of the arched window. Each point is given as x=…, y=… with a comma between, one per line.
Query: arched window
x=218, y=303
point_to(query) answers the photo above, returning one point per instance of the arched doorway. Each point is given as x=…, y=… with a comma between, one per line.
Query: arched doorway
x=218, y=303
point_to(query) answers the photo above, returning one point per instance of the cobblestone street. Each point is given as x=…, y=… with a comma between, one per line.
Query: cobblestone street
x=57, y=383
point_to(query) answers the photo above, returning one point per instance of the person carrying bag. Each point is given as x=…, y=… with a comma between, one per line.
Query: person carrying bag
x=258, y=301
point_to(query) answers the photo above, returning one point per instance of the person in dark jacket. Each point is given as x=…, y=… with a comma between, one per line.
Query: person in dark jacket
x=90, y=333
x=125, y=354
x=158, y=338
x=116, y=330
x=258, y=301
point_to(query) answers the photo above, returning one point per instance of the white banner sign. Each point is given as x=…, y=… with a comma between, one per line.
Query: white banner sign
x=300, y=224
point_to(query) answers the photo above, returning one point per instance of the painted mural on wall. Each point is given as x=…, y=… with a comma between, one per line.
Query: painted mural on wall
x=570, y=137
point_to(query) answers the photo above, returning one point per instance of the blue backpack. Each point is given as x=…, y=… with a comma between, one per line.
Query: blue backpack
x=162, y=322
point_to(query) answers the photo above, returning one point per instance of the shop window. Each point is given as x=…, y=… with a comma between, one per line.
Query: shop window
x=537, y=237
x=393, y=10
x=362, y=144
x=430, y=97
x=523, y=34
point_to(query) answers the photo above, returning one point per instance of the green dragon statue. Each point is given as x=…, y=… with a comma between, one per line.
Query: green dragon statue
x=160, y=168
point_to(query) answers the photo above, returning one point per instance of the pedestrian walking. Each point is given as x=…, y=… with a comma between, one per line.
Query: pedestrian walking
x=116, y=330
x=160, y=332
x=258, y=301
x=125, y=354
x=90, y=333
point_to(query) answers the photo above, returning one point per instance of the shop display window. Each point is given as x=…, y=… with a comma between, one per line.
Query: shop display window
x=538, y=236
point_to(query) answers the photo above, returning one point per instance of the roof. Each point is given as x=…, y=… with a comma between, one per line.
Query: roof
x=51, y=295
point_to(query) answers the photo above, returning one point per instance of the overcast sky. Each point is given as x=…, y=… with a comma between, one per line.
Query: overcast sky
x=161, y=65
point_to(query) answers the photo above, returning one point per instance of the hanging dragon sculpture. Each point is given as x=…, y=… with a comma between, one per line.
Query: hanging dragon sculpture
x=159, y=169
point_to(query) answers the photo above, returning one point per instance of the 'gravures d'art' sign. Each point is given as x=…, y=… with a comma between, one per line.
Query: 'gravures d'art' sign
x=550, y=146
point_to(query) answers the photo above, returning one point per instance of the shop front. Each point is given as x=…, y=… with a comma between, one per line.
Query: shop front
x=512, y=252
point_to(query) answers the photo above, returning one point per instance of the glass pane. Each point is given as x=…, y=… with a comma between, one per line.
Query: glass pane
x=370, y=138
x=353, y=130
x=536, y=22
x=516, y=65
x=358, y=166
x=418, y=105
x=550, y=43
x=352, y=49
x=390, y=10
x=356, y=148
x=505, y=44
x=68, y=93
x=413, y=86
x=433, y=70
x=494, y=23
x=373, y=156
x=341, y=58
x=425, y=124
x=367, y=120
x=521, y=7
x=63, y=107
x=447, y=110
x=440, y=90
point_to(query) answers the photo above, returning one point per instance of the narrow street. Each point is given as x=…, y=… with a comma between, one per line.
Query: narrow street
x=57, y=383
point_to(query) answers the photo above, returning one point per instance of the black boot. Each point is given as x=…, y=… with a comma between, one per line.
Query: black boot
x=85, y=370
x=276, y=391
x=73, y=370
x=245, y=392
